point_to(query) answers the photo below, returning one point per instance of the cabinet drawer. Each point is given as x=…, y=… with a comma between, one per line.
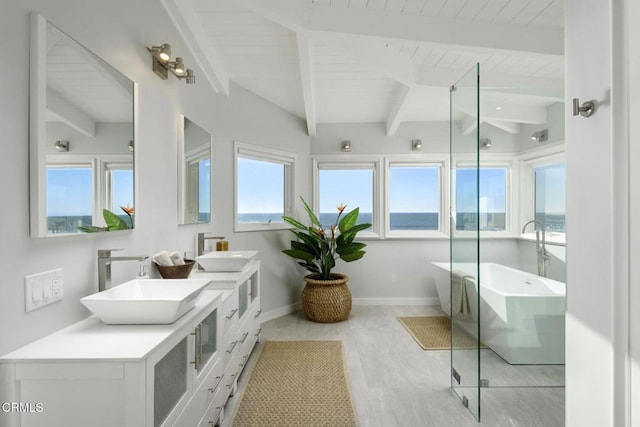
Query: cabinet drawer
x=230, y=311
x=202, y=397
x=215, y=411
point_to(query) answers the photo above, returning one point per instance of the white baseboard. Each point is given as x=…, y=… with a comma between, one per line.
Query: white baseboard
x=288, y=309
x=279, y=312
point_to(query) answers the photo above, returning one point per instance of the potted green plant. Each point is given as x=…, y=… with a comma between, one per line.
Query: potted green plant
x=326, y=297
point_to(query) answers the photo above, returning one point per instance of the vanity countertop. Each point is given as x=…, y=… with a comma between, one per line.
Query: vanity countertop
x=90, y=339
x=226, y=279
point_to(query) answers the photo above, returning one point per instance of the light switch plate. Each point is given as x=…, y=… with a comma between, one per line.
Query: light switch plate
x=41, y=289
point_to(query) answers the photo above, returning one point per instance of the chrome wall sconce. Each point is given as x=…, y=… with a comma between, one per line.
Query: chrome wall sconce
x=416, y=145
x=485, y=143
x=162, y=64
x=346, y=146
x=62, y=146
x=540, y=135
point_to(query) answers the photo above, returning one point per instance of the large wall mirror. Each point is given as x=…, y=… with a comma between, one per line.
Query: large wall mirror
x=81, y=138
x=194, y=173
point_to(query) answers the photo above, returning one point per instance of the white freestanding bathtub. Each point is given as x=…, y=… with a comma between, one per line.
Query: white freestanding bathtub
x=521, y=314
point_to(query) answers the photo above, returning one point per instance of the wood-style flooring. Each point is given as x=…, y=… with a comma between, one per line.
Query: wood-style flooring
x=396, y=383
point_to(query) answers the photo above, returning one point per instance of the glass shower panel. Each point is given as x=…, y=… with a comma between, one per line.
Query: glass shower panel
x=465, y=235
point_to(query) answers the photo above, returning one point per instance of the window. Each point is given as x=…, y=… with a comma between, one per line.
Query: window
x=352, y=186
x=197, y=187
x=413, y=198
x=488, y=197
x=119, y=184
x=550, y=196
x=69, y=197
x=264, y=187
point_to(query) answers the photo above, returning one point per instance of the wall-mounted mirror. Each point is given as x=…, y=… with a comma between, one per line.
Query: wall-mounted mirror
x=81, y=138
x=194, y=173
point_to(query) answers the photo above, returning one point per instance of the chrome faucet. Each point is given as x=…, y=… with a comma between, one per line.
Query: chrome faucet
x=541, y=247
x=104, y=266
x=201, y=238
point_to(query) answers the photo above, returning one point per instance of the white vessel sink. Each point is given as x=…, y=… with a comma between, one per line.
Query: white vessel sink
x=225, y=260
x=146, y=301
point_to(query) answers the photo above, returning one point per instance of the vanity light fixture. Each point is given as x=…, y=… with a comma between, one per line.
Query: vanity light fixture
x=62, y=146
x=540, y=135
x=485, y=143
x=416, y=145
x=162, y=64
x=346, y=146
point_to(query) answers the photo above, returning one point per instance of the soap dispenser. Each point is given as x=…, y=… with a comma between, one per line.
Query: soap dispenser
x=142, y=274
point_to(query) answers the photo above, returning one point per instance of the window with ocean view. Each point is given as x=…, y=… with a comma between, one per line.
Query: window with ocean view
x=120, y=181
x=264, y=187
x=351, y=186
x=488, y=198
x=69, y=197
x=414, y=197
x=550, y=196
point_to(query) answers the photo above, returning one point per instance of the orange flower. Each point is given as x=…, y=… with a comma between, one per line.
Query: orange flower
x=319, y=232
x=341, y=208
x=128, y=210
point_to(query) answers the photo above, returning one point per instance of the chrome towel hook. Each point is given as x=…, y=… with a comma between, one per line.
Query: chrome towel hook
x=585, y=110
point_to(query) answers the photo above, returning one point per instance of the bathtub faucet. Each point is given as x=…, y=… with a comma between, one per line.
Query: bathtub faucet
x=541, y=247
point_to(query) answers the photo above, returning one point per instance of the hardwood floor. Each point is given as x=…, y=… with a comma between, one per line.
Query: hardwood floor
x=396, y=383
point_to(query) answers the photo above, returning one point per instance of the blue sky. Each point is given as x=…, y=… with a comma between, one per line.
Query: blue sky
x=260, y=186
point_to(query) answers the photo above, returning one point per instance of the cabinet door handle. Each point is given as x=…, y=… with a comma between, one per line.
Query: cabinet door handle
x=198, y=347
x=233, y=312
x=258, y=314
x=233, y=345
x=232, y=378
x=258, y=331
x=244, y=337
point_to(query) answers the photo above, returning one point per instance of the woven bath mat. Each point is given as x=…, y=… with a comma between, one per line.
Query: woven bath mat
x=434, y=333
x=297, y=383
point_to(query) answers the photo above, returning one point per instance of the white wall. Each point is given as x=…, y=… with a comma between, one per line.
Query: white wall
x=119, y=31
x=597, y=217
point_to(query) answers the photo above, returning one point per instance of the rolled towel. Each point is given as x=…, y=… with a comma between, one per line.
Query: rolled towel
x=162, y=258
x=176, y=259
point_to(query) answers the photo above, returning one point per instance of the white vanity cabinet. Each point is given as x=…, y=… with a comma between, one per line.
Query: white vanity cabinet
x=92, y=374
x=241, y=317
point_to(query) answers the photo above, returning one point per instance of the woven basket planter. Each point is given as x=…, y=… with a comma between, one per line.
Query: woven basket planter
x=326, y=301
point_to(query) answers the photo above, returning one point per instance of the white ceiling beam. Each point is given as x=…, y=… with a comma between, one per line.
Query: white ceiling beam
x=306, y=79
x=70, y=114
x=512, y=128
x=210, y=63
x=299, y=15
x=514, y=113
x=498, y=82
x=404, y=96
x=468, y=124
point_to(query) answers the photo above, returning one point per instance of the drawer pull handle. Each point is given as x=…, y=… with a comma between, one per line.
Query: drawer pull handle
x=258, y=331
x=233, y=312
x=257, y=314
x=232, y=378
x=244, y=337
x=233, y=345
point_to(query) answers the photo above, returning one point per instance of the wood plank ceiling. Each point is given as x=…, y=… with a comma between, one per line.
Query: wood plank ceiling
x=390, y=61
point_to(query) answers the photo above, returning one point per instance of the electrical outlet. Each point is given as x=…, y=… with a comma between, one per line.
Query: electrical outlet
x=42, y=289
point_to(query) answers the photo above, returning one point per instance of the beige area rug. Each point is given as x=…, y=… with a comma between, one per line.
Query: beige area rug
x=297, y=383
x=434, y=333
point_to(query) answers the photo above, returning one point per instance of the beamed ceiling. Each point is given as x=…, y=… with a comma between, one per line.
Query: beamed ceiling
x=389, y=61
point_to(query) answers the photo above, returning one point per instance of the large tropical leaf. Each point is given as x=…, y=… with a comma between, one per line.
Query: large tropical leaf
x=114, y=222
x=294, y=222
x=353, y=256
x=347, y=236
x=314, y=219
x=311, y=267
x=301, y=246
x=311, y=240
x=348, y=248
x=349, y=220
x=303, y=255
